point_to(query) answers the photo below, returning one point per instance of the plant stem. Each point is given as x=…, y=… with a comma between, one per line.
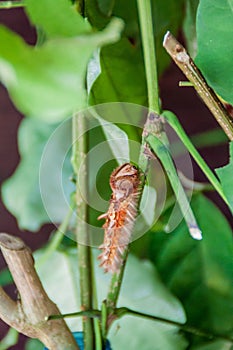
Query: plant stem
x=153, y=122
x=84, y=251
x=115, y=285
x=185, y=328
x=87, y=313
x=96, y=321
x=147, y=34
x=124, y=311
x=188, y=67
x=5, y=5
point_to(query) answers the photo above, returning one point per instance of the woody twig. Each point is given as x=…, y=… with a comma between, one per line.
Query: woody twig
x=188, y=67
x=29, y=314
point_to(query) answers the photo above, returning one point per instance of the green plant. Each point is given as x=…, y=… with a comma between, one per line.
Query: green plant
x=102, y=55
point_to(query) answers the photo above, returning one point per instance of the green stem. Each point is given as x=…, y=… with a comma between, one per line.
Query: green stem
x=173, y=121
x=97, y=324
x=115, y=285
x=153, y=122
x=124, y=311
x=84, y=251
x=5, y=5
x=147, y=34
x=185, y=328
x=104, y=319
x=87, y=313
x=163, y=154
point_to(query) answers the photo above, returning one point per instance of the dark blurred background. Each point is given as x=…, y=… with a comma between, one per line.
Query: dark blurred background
x=192, y=113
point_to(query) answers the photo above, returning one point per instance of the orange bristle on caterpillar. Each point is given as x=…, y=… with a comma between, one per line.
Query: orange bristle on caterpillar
x=120, y=217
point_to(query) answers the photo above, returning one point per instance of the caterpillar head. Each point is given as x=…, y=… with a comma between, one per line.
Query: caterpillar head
x=124, y=180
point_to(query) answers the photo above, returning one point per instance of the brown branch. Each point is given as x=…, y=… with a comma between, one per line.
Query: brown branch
x=188, y=67
x=29, y=314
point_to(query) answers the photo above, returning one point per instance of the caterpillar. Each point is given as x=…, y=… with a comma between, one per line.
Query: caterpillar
x=120, y=217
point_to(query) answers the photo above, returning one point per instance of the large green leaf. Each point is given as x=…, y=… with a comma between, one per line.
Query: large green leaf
x=5, y=277
x=10, y=339
x=226, y=177
x=122, y=77
x=49, y=82
x=57, y=20
x=21, y=192
x=118, y=81
x=142, y=290
x=200, y=273
x=189, y=26
x=215, y=45
x=34, y=344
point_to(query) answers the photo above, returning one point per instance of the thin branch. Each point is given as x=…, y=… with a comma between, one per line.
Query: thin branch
x=184, y=327
x=88, y=313
x=124, y=311
x=188, y=67
x=28, y=315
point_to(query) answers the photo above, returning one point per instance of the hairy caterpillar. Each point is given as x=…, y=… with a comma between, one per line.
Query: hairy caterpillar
x=120, y=217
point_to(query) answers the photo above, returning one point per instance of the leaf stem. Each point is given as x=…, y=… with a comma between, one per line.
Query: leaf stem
x=124, y=311
x=6, y=5
x=188, y=67
x=184, y=327
x=84, y=251
x=115, y=285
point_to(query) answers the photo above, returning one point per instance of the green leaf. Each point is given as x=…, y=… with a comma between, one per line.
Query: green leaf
x=9, y=340
x=200, y=273
x=117, y=139
x=215, y=45
x=189, y=26
x=49, y=82
x=122, y=77
x=34, y=344
x=57, y=20
x=142, y=290
x=226, y=177
x=21, y=192
x=5, y=277
x=118, y=81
